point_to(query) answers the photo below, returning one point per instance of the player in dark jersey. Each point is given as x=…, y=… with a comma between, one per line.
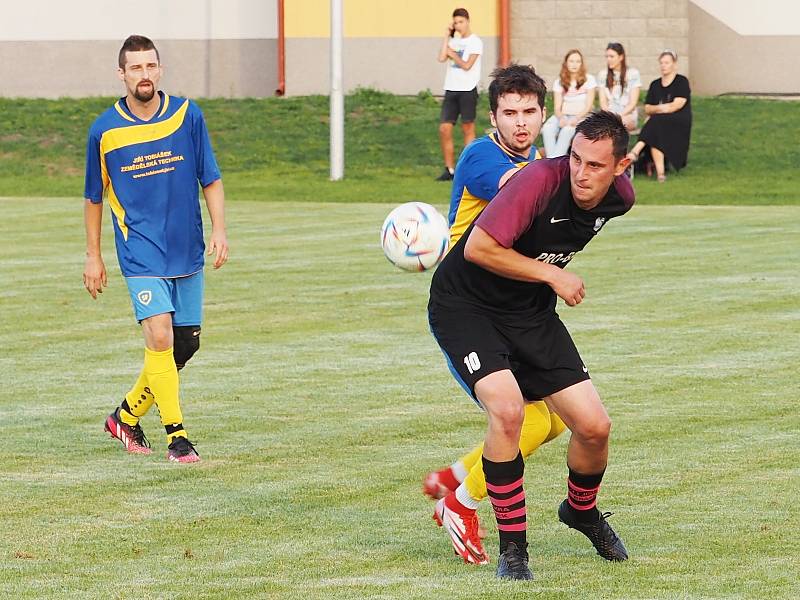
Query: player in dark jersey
x=516, y=110
x=503, y=278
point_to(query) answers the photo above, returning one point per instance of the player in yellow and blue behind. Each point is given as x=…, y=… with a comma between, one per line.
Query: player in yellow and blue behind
x=146, y=155
x=516, y=103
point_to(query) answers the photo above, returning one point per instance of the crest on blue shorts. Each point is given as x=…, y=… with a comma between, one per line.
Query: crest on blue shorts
x=145, y=296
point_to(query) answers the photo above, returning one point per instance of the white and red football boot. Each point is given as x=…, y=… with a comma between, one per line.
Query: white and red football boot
x=461, y=524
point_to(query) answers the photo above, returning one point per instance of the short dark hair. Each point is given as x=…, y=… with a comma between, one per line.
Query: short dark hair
x=461, y=12
x=135, y=43
x=604, y=124
x=517, y=79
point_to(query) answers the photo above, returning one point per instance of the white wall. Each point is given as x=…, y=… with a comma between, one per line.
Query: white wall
x=85, y=20
x=765, y=17
x=53, y=48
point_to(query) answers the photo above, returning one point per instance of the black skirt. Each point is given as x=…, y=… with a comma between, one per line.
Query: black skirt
x=670, y=134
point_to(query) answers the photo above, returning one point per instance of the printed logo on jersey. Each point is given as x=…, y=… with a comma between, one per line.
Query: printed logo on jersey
x=145, y=296
x=553, y=220
x=552, y=258
x=598, y=224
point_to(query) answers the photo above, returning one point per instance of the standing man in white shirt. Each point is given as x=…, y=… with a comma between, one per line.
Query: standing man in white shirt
x=463, y=54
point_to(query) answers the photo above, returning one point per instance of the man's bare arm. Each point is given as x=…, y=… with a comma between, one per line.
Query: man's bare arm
x=94, y=270
x=483, y=250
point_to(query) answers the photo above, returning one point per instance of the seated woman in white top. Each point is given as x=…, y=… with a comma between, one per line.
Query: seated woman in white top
x=620, y=86
x=573, y=97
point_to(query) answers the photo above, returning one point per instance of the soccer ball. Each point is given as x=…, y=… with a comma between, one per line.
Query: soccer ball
x=415, y=236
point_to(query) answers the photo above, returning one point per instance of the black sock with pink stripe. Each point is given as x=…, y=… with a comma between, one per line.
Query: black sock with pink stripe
x=582, y=494
x=504, y=484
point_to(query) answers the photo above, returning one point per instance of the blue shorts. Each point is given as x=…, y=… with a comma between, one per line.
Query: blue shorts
x=181, y=296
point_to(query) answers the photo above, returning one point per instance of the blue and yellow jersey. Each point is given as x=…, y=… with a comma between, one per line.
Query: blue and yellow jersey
x=478, y=172
x=149, y=171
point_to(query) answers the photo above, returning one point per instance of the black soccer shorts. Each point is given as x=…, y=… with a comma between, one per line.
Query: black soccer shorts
x=459, y=103
x=539, y=350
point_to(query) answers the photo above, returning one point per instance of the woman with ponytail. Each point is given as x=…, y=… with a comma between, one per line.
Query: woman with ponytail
x=620, y=86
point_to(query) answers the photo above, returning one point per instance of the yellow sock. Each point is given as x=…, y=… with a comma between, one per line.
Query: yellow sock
x=162, y=379
x=472, y=458
x=557, y=427
x=535, y=429
x=126, y=417
x=139, y=400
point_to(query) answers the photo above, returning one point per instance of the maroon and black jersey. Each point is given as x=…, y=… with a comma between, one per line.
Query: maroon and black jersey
x=536, y=215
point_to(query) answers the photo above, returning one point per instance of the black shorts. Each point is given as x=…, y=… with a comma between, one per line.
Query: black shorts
x=537, y=350
x=459, y=103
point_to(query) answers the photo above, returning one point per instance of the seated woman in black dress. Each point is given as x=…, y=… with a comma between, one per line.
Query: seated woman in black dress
x=666, y=133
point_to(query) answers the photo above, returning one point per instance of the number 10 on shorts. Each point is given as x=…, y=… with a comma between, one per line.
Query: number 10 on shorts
x=473, y=362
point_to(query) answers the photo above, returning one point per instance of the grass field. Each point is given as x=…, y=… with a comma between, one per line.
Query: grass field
x=319, y=399
x=743, y=151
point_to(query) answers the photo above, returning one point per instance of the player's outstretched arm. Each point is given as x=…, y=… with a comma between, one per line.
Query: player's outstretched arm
x=94, y=270
x=483, y=250
x=214, y=194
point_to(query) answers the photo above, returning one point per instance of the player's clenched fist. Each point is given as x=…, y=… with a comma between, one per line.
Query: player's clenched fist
x=569, y=287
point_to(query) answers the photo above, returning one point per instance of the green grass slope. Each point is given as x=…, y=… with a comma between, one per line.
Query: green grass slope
x=743, y=151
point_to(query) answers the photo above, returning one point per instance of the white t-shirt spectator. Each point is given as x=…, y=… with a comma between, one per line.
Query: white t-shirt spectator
x=617, y=97
x=457, y=79
x=574, y=100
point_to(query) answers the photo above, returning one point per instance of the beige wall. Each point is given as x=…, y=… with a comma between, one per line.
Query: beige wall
x=542, y=31
x=207, y=68
x=724, y=46
x=87, y=20
x=229, y=47
x=388, y=45
x=726, y=61
x=209, y=47
x=398, y=65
